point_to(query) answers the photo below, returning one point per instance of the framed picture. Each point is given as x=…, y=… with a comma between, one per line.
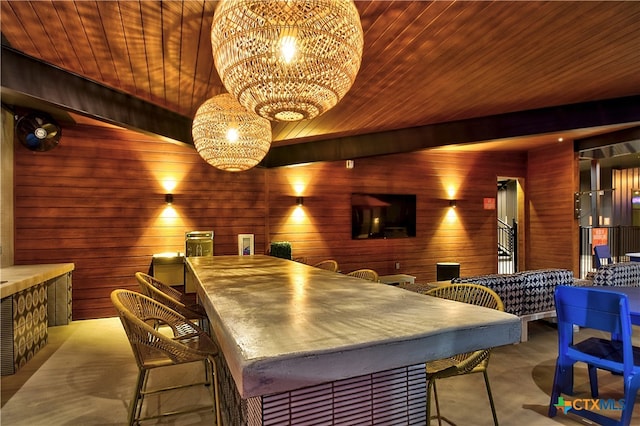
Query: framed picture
x=245, y=244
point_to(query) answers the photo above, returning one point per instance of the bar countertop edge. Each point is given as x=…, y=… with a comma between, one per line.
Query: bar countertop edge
x=21, y=277
x=281, y=343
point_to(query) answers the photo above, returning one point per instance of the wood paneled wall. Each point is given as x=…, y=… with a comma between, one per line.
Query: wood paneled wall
x=552, y=232
x=321, y=229
x=98, y=201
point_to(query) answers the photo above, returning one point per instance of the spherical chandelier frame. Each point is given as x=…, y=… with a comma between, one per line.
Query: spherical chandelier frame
x=287, y=60
x=229, y=137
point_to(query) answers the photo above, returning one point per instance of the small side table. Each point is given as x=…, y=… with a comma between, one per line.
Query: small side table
x=397, y=279
x=633, y=257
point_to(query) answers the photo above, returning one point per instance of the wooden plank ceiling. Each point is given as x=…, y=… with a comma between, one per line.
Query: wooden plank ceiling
x=424, y=62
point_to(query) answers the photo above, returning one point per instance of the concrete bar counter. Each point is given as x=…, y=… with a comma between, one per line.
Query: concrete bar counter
x=302, y=345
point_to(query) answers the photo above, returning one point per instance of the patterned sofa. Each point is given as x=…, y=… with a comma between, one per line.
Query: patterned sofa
x=618, y=274
x=527, y=294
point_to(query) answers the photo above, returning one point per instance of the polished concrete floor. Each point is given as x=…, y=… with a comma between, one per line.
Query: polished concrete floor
x=86, y=375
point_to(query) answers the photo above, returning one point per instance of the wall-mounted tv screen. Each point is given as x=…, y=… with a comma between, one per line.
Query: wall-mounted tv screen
x=383, y=216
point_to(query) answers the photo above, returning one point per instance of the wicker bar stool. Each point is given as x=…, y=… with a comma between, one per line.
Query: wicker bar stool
x=365, y=274
x=153, y=349
x=472, y=362
x=329, y=265
x=169, y=296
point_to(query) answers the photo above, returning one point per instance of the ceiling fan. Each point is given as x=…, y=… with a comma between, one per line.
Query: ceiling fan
x=38, y=131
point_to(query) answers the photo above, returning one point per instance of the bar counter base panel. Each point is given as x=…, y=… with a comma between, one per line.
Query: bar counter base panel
x=395, y=396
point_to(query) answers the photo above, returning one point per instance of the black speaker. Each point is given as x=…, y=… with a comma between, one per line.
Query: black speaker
x=445, y=271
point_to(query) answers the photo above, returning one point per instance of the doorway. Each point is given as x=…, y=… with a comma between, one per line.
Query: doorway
x=508, y=212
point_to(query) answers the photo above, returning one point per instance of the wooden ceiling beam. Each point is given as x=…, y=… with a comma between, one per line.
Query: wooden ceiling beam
x=30, y=81
x=496, y=127
x=607, y=139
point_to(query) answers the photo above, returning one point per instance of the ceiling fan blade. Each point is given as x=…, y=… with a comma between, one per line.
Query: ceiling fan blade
x=38, y=131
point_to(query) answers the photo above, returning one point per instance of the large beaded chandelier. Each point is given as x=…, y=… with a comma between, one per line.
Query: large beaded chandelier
x=228, y=136
x=287, y=60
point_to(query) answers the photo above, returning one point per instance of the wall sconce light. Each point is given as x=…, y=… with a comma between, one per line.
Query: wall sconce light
x=453, y=204
x=299, y=201
x=168, y=198
x=349, y=164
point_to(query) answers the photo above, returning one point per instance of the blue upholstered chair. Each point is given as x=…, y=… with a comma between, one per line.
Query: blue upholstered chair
x=600, y=310
x=602, y=255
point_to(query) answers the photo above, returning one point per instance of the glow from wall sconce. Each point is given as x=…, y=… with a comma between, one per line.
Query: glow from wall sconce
x=298, y=188
x=169, y=213
x=451, y=192
x=169, y=185
x=298, y=216
x=451, y=216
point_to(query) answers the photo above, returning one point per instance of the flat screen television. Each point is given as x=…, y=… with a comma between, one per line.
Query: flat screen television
x=383, y=216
